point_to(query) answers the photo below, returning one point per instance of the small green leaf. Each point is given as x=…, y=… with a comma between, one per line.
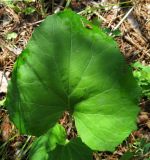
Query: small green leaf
x=11, y=35
x=29, y=1
x=142, y=74
x=146, y=148
x=73, y=150
x=56, y=135
x=53, y=146
x=29, y=10
x=107, y=30
x=96, y=21
x=127, y=156
x=137, y=65
x=2, y=102
x=116, y=33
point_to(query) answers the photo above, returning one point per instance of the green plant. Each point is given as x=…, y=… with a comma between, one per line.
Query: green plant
x=142, y=74
x=54, y=146
x=2, y=102
x=27, y=10
x=68, y=66
x=11, y=35
x=142, y=147
x=139, y=150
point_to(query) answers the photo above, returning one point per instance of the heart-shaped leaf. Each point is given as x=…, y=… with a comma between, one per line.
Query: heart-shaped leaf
x=70, y=64
x=54, y=146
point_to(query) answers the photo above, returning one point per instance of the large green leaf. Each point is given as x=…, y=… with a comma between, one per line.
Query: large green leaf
x=68, y=66
x=54, y=146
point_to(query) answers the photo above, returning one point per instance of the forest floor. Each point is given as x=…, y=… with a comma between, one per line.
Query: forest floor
x=127, y=21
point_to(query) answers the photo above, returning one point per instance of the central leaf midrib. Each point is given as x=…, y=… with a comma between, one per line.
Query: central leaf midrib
x=69, y=64
x=90, y=59
x=69, y=92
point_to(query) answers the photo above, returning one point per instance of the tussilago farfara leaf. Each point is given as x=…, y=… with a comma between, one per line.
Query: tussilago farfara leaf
x=68, y=66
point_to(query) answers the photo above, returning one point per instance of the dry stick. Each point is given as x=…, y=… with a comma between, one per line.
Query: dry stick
x=145, y=53
x=114, y=15
x=19, y=156
x=4, y=75
x=34, y=23
x=61, y=3
x=137, y=46
x=3, y=44
x=59, y=6
x=130, y=40
x=68, y=3
x=1, y=80
x=101, y=17
x=126, y=15
x=52, y=6
x=140, y=37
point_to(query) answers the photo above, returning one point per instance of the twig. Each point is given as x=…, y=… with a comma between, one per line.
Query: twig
x=126, y=15
x=3, y=44
x=145, y=53
x=137, y=46
x=1, y=80
x=34, y=23
x=52, y=6
x=59, y=6
x=68, y=3
x=101, y=17
x=4, y=75
x=19, y=156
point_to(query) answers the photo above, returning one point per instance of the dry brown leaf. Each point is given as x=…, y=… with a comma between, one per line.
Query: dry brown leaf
x=148, y=124
x=143, y=118
x=6, y=128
